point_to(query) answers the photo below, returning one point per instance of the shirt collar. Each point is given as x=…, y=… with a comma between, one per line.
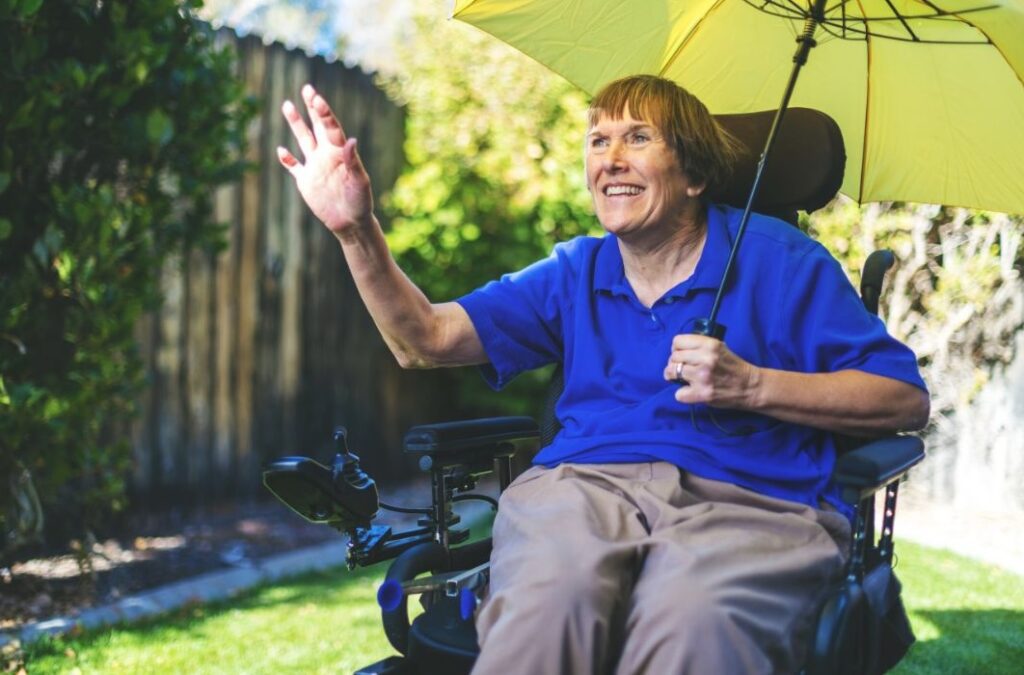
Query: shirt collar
x=610, y=275
x=715, y=255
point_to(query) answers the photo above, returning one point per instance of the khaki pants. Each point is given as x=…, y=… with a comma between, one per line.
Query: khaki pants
x=640, y=568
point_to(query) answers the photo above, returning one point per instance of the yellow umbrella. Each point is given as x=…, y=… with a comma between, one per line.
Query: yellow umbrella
x=929, y=93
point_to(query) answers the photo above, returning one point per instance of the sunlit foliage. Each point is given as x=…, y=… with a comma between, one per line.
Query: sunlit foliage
x=117, y=120
x=955, y=294
x=494, y=147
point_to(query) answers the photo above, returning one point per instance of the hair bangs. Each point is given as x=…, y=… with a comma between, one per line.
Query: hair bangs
x=637, y=96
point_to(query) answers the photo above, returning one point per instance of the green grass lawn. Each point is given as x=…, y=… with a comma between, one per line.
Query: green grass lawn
x=320, y=623
x=968, y=616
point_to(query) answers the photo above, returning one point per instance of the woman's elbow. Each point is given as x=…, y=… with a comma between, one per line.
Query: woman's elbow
x=918, y=411
x=413, y=361
x=412, y=355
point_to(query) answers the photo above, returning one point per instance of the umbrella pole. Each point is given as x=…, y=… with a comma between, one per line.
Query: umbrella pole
x=805, y=43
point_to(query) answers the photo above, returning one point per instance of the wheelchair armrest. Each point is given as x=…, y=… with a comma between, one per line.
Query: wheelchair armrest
x=874, y=465
x=472, y=439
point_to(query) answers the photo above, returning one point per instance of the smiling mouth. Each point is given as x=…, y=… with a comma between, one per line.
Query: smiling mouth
x=622, y=190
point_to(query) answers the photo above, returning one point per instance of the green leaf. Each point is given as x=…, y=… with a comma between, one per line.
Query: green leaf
x=78, y=75
x=5, y=228
x=5, y=180
x=22, y=116
x=29, y=7
x=159, y=127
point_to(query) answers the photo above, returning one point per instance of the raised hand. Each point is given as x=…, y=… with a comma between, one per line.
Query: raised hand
x=331, y=179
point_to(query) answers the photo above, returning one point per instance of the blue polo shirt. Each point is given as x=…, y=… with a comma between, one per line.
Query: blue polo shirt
x=788, y=306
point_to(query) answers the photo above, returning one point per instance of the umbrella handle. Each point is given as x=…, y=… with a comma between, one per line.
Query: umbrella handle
x=709, y=328
x=710, y=325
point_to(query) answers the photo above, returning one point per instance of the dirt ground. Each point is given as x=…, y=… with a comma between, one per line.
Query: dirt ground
x=159, y=550
x=162, y=548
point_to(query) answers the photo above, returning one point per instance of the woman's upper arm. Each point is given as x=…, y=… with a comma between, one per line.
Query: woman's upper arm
x=457, y=342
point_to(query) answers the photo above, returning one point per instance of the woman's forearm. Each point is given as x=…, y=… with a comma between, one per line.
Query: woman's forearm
x=419, y=333
x=849, y=401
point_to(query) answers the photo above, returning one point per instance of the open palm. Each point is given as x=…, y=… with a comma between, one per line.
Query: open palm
x=331, y=180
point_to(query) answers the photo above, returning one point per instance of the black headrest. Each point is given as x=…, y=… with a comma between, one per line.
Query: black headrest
x=805, y=168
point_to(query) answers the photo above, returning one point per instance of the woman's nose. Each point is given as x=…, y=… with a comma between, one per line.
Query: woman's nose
x=615, y=156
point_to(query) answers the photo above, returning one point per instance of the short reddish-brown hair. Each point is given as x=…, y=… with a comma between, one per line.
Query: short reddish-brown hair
x=706, y=152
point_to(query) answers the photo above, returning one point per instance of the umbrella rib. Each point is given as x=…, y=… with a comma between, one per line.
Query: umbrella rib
x=988, y=38
x=939, y=15
x=906, y=26
x=799, y=10
x=939, y=12
x=932, y=6
x=863, y=33
x=839, y=27
x=689, y=36
x=867, y=108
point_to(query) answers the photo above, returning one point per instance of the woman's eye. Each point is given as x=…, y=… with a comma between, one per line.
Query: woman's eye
x=639, y=138
x=598, y=142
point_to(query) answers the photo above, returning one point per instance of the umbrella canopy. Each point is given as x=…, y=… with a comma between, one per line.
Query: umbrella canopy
x=929, y=93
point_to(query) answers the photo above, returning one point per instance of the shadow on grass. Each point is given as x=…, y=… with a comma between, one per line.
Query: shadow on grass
x=969, y=641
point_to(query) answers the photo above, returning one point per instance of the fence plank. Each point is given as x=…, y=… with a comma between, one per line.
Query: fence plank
x=248, y=287
x=144, y=426
x=296, y=73
x=170, y=418
x=198, y=359
x=226, y=318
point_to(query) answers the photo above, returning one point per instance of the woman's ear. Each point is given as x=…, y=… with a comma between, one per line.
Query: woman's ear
x=696, y=189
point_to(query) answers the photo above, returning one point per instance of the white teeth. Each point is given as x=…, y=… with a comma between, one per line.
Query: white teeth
x=613, y=190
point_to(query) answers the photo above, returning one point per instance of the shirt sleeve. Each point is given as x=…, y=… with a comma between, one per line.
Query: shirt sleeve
x=824, y=326
x=518, y=319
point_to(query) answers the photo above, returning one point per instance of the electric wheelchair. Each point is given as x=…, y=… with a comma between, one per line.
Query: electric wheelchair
x=862, y=627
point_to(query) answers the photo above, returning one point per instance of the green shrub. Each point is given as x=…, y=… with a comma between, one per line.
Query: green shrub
x=117, y=120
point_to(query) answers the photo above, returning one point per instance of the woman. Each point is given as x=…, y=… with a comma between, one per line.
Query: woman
x=683, y=519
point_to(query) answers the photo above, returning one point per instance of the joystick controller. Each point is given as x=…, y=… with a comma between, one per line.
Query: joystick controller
x=342, y=496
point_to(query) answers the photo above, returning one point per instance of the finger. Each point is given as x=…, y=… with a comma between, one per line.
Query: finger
x=302, y=134
x=326, y=126
x=332, y=129
x=689, y=394
x=694, y=341
x=287, y=159
x=685, y=372
x=350, y=156
x=687, y=358
x=675, y=360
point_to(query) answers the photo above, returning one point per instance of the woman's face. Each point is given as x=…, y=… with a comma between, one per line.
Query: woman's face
x=635, y=178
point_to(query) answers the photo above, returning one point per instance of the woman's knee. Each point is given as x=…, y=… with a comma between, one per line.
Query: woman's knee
x=689, y=632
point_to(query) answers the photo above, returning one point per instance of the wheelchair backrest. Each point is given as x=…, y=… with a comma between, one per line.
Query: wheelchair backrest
x=804, y=171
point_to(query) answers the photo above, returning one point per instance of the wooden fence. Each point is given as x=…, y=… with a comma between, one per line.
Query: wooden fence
x=259, y=350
